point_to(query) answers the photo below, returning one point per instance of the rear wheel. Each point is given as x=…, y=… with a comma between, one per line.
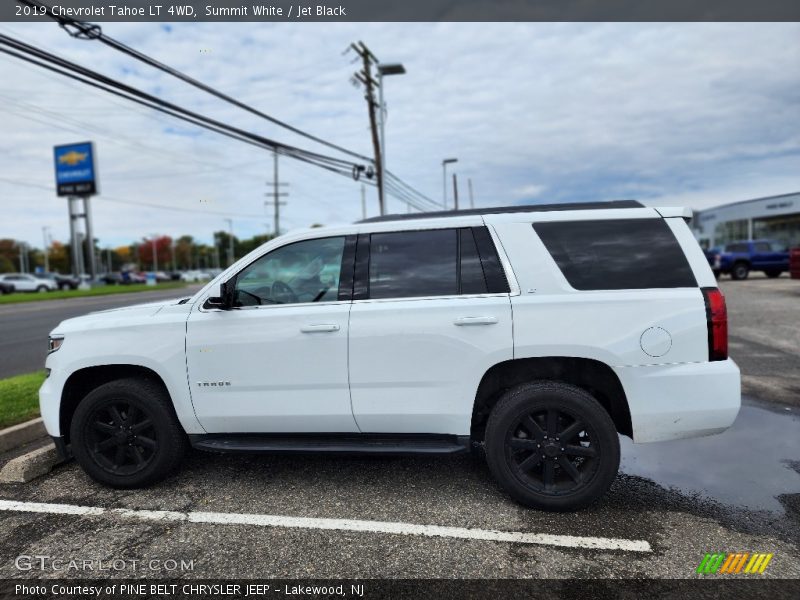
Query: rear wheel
x=773, y=273
x=552, y=446
x=125, y=434
x=740, y=271
x=41, y=289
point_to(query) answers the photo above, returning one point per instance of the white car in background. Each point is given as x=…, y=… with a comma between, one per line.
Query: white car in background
x=195, y=276
x=23, y=282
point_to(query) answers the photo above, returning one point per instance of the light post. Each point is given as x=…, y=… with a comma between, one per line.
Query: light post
x=445, y=162
x=155, y=253
x=230, y=241
x=385, y=69
x=46, y=239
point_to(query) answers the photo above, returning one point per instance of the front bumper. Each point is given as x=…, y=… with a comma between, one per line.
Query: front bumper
x=669, y=402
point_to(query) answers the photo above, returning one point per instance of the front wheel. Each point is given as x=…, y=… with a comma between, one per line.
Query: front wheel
x=552, y=446
x=125, y=434
x=41, y=289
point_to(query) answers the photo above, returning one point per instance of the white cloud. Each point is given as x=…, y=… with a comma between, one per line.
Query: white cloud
x=667, y=113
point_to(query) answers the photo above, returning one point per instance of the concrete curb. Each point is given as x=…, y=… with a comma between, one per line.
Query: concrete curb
x=31, y=465
x=24, y=433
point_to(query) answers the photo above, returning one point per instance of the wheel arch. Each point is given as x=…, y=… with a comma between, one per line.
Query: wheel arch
x=594, y=376
x=83, y=381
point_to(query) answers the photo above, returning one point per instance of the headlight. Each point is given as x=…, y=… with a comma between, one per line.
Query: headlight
x=54, y=343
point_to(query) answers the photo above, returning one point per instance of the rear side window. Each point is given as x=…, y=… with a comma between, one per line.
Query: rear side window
x=407, y=264
x=617, y=254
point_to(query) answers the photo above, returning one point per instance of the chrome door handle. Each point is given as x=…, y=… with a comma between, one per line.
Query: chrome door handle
x=322, y=328
x=476, y=321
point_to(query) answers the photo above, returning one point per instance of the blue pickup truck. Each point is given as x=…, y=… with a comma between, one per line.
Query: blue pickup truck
x=739, y=258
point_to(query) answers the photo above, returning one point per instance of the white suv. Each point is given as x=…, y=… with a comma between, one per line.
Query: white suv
x=539, y=333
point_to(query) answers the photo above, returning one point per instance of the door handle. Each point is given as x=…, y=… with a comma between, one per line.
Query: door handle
x=321, y=328
x=475, y=321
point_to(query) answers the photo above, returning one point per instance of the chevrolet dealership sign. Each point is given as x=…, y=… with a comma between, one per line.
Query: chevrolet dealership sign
x=75, y=172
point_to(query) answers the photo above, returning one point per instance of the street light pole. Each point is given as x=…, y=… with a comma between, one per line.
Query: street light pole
x=230, y=241
x=385, y=69
x=155, y=252
x=446, y=162
x=46, y=249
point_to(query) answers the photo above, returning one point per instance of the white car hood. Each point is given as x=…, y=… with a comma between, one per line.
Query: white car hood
x=123, y=315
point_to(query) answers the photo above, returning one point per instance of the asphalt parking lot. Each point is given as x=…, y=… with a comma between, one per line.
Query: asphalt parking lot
x=429, y=517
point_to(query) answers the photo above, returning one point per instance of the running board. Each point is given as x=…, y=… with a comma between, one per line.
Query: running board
x=339, y=443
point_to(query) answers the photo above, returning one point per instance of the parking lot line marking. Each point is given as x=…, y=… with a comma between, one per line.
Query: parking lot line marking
x=356, y=525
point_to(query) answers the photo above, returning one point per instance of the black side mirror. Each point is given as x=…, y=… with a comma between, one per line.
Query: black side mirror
x=224, y=301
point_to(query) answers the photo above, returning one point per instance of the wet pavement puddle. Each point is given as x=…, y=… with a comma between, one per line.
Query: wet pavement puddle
x=747, y=466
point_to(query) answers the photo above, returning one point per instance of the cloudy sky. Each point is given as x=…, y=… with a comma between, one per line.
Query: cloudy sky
x=671, y=114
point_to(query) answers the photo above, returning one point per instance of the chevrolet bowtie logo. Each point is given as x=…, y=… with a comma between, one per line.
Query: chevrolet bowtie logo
x=72, y=158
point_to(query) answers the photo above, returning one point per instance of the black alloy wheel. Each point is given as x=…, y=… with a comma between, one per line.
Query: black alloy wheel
x=122, y=437
x=125, y=433
x=552, y=451
x=551, y=445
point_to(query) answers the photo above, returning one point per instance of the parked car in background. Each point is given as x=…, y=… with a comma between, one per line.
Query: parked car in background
x=794, y=263
x=132, y=277
x=110, y=278
x=6, y=288
x=161, y=276
x=739, y=258
x=195, y=276
x=24, y=282
x=64, y=282
x=713, y=258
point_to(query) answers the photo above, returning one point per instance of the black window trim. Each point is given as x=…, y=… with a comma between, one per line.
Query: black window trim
x=487, y=252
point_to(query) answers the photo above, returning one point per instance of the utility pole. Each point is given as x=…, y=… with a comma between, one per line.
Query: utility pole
x=455, y=192
x=216, y=250
x=46, y=249
x=363, y=201
x=276, y=196
x=230, y=241
x=365, y=77
x=471, y=199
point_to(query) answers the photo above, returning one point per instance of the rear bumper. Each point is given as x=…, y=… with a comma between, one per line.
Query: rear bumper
x=669, y=402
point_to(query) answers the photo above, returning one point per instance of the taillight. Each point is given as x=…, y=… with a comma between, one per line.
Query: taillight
x=717, y=318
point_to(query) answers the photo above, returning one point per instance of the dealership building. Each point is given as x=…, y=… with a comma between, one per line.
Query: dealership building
x=774, y=218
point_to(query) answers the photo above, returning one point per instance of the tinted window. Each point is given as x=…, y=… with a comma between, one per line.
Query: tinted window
x=762, y=247
x=617, y=254
x=408, y=264
x=306, y=271
x=736, y=248
x=472, y=279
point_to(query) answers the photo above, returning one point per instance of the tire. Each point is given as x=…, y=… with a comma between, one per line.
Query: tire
x=41, y=289
x=740, y=271
x=125, y=434
x=772, y=274
x=547, y=483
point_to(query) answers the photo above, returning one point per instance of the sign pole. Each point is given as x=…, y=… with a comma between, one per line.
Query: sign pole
x=73, y=237
x=87, y=214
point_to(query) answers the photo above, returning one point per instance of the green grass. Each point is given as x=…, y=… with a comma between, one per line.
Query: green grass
x=104, y=290
x=19, y=398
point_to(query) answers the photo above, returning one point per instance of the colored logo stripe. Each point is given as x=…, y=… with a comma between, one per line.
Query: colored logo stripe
x=734, y=562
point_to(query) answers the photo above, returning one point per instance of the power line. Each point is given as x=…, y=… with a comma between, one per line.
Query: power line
x=80, y=29
x=74, y=71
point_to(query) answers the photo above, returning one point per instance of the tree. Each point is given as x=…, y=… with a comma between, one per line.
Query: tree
x=163, y=252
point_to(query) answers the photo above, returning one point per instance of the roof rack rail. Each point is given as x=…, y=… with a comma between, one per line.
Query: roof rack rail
x=494, y=210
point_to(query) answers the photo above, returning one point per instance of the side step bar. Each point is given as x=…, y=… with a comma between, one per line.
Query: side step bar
x=339, y=443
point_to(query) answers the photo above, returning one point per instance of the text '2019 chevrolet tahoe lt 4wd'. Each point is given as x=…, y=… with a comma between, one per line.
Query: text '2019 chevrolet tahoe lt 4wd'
x=540, y=333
